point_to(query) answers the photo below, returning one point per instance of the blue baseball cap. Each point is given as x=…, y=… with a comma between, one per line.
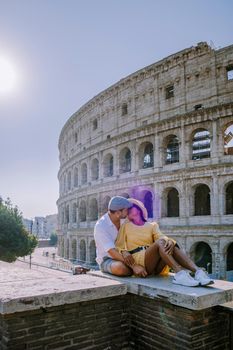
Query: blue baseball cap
x=118, y=203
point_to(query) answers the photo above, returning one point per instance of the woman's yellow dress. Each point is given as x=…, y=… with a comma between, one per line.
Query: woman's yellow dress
x=132, y=236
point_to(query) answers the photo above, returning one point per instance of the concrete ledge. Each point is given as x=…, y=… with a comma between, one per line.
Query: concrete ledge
x=23, y=290
x=161, y=287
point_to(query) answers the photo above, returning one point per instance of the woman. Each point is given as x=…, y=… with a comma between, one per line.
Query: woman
x=151, y=252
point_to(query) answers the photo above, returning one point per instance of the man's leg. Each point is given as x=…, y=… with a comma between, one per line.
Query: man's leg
x=118, y=268
x=115, y=267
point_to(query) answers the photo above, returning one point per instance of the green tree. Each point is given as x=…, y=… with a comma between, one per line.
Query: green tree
x=15, y=240
x=53, y=238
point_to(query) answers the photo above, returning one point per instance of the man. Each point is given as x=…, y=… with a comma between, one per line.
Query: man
x=105, y=234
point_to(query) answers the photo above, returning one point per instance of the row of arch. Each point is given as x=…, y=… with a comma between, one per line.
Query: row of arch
x=170, y=204
x=200, y=149
x=202, y=255
x=200, y=252
x=73, y=250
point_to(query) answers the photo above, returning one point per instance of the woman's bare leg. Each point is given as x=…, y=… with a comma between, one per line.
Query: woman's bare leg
x=159, y=268
x=153, y=255
x=152, y=258
x=184, y=260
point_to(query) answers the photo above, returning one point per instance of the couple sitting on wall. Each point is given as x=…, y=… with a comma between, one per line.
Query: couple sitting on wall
x=139, y=247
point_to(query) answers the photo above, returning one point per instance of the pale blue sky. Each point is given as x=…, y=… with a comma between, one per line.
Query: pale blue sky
x=67, y=51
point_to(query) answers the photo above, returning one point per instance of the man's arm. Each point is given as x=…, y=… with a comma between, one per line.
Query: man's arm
x=124, y=256
x=138, y=270
x=113, y=252
x=102, y=238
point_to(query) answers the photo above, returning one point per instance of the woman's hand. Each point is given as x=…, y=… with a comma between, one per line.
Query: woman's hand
x=139, y=271
x=128, y=259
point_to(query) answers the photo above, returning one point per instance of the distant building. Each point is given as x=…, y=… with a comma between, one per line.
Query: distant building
x=51, y=224
x=41, y=226
x=28, y=224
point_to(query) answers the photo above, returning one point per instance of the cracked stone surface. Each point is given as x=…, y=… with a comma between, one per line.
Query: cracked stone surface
x=23, y=289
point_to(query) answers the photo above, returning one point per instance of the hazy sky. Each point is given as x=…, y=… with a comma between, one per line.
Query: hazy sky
x=63, y=52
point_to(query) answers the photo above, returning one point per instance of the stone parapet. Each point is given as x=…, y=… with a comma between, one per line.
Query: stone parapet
x=162, y=288
x=23, y=290
x=44, y=310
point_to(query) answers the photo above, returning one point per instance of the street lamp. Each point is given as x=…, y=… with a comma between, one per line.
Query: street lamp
x=30, y=257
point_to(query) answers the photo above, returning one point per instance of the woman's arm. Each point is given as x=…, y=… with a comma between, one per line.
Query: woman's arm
x=120, y=242
x=121, y=246
x=169, y=242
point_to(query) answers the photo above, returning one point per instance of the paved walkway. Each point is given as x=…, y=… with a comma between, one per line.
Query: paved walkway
x=45, y=257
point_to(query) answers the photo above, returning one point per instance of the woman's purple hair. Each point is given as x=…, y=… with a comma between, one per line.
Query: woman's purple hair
x=140, y=211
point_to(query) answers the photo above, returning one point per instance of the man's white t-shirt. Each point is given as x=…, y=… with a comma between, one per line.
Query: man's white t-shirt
x=105, y=234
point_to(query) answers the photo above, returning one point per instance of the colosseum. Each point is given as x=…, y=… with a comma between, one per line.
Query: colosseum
x=164, y=135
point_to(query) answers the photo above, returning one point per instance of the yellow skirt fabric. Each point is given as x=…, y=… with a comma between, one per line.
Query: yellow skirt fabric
x=139, y=259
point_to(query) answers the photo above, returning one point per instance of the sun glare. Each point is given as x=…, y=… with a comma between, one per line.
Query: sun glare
x=7, y=76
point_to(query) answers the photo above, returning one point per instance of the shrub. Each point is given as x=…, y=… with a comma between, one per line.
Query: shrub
x=15, y=240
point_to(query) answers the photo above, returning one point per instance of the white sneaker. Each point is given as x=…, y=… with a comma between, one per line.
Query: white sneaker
x=202, y=277
x=183, y=277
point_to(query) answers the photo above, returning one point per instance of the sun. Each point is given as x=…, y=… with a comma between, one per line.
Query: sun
x=7, y=76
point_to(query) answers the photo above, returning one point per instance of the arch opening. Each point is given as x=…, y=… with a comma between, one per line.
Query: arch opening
x=74, y=213
x=82, y=211
x=228, y=140
x=108, y=165
x=104, y=204
x=201, y=144
x=93, y=209
x=62, y=248
x=92, y=253
x=125, y=160
x=148, y=156
x=229, y=198
x=95, y=169
x=82, y=251
x=202, y=200
x=67, y=214
x=69, y=181
x=172, y=150
x=229, y=263
x=202, y=256
x=173, y=207
x=75, y=177
x=67, y=249
x=74, y=249
x=84, y=173
x=148, y=202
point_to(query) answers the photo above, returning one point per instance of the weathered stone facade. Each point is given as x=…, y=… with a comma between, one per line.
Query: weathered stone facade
x=162, y=135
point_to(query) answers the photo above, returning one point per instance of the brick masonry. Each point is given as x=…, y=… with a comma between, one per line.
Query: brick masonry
x=159, y=325
x=118, y=323
x=92, y=325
